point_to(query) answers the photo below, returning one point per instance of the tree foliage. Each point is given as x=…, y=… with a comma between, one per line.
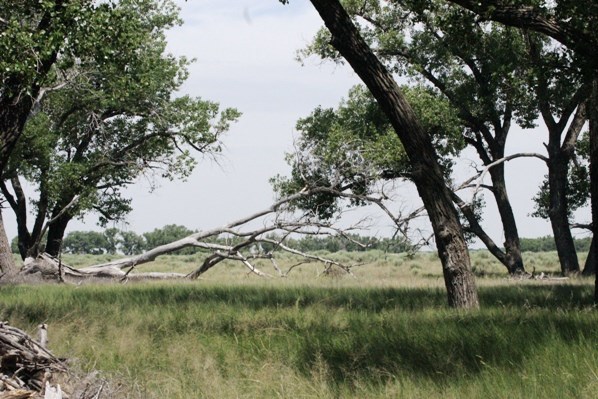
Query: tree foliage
x=113, y=241
x=114, y=118
x=546, y=244
x=354, y=147
x=166, y=235
x=86, y=242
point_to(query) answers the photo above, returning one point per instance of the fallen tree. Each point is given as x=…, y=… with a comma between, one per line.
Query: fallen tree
x=276, y=224
x=280, y=221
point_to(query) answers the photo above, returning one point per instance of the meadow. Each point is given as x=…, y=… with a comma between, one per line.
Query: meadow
x=385, y=333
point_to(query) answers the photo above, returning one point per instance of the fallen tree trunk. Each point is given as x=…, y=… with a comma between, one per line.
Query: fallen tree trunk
x=243, y=248
x=51, y=268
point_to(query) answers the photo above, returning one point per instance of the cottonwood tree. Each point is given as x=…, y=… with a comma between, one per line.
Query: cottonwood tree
x=426, y=171
x=484, y=81
x=572, y=23
x=115, y=120
x=32, y=36
x=354, y=148
x=562, y=97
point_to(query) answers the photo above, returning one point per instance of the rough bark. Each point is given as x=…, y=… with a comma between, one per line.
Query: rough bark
x=8, y=267
x=582, y=43
x=477, y=229
x=559, y=157
x=490, y=153
x=56, y=232
x=13, y=115
x=512, y=244
x=427, y=174
x=18, y=203
x=534, y=18
x=593, y=116
x=590, y=265
x=490, y=147
x=561, y=149
x=559, y=215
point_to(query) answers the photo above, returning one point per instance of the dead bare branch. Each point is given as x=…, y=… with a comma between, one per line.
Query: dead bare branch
x=481, y=174
x=246, y=243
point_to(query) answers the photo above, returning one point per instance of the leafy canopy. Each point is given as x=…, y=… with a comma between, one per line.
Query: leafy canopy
x=354, y=146
x=114, y=116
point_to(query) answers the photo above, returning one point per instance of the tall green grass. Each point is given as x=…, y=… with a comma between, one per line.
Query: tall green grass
x=284, y=339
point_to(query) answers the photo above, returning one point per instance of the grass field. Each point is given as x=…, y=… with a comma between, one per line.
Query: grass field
x=385, y=334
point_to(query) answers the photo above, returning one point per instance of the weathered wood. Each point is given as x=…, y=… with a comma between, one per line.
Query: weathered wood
x=25, y=365
x=28, y=370
x=52, y=392
x=43, y=335
x=425, y=169
x=18, y=394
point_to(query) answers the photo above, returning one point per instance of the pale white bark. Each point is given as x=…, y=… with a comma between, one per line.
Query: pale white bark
x=478, y=178
x=43, y=335
x=52, y=392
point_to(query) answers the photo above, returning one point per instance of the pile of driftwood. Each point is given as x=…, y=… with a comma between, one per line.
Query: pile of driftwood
x=29, y=370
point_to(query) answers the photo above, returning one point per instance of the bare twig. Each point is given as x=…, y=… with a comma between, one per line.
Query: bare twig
x=479, y=177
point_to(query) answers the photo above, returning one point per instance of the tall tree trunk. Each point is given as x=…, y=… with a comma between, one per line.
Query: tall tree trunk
x=494, y=150
x=18, y=203
x=7, y=263
x=594, y=169
x=427, y=173
x=13, y=115
x=558, y=212
x=589, y=268
x=475, y=228
x=513, y=259
x=56, y=234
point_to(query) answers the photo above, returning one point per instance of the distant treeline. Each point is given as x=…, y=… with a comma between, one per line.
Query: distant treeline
x=545, y=244
x=112, y=241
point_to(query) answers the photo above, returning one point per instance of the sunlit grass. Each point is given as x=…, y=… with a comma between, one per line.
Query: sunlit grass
x=385, y=333
x=372, y=268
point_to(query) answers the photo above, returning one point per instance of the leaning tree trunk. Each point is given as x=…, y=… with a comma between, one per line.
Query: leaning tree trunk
x=513, y=259
x=8, y=267
x=426, y=171
x=558, y=212
x=475, y=228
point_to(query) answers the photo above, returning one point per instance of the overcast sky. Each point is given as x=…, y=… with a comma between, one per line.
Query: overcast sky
x=245, y=58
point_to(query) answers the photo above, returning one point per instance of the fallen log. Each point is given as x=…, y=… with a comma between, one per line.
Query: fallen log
x=51, y=268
